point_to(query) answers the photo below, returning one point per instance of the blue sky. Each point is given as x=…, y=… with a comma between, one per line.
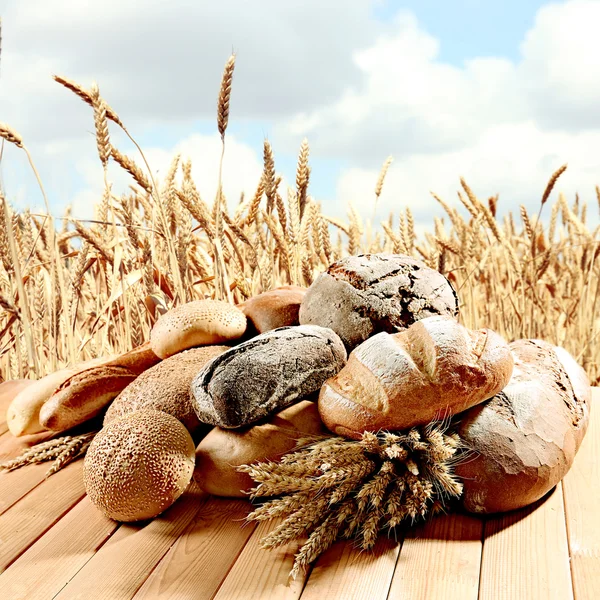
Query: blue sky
x=501, y=93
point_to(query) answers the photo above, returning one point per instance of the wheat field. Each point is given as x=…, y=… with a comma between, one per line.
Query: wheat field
x=71, y=291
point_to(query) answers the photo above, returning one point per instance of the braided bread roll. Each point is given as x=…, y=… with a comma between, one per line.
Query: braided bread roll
x=434, y=369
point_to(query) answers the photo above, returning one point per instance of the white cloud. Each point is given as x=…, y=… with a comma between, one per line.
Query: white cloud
x=505, y=127
x=359, y=96
x=164, y=62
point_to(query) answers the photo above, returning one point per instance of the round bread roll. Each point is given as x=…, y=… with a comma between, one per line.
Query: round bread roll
x=198, y=323
x=276, y=308
x=359, y=296
x=137, y=466
x=433, y=369
x=166, y=387
x=222, y=450
x=525, y=438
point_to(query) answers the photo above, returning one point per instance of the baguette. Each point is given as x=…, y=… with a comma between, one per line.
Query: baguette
x=23, y=414
x=433, y=369
x=84, y=394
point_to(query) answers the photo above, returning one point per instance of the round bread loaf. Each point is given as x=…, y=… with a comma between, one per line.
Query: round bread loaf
x=166, y=387
x=222, y=450
x=273, y=309
x=433, y=369
x=138, y=465
x=265, y=374
x=362, y=295
x=197, y=323
x=525, y=438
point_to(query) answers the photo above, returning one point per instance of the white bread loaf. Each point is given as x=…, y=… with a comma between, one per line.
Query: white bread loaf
x=433, y=369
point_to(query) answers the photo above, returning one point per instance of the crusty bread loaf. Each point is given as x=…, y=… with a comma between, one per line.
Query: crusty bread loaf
x=197, y=323
x=84, y=394
x=166, y=387
x=222, y=450
x=23, y=414
x=523, y=440
x=433, y=369
x=360, y=296
x=276, y=308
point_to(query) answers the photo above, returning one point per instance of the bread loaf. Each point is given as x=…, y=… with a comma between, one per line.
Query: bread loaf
x=166, y=387
x=197, y=323
x=222, y=450
x=85, y=394
x=524, y=439
x=273, y=309
x=265, y=374
x=23, y=414
x=360, y=296
x=433, y=369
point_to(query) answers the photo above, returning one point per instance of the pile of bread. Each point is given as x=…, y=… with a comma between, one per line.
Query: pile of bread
x=373, y=344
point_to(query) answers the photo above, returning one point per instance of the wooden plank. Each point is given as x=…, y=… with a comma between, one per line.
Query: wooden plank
x=347, y=573
x=259, y=573
x=16, y=484
x=201, y=558
x=122, y=565
x=525, y=553
x=41, y=572
x=11, y=446
x=30, y=518
x=581, y=487
x=440, y=560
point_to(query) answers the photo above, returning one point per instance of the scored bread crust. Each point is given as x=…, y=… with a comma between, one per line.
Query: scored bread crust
x=84, y=394
x=433, y=369
x=523, y=441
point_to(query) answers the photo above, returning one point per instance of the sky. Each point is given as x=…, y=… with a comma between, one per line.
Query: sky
x=499, y=93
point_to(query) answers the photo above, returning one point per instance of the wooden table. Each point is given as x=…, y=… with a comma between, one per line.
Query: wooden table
x=55, y=544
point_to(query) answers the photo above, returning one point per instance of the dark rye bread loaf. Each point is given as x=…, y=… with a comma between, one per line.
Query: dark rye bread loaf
x=362, y=295
x=265, y=374
x=525, y=438
x=433, y=369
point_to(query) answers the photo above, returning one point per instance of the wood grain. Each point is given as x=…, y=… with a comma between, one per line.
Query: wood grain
x=525, y=553
x=55, y=542
x=349, y=573
x=31, y=517
x=122, y=565
x=259, y=573
x=42, y=571
x=440, y=560
x=201, y=558
x=581, y=489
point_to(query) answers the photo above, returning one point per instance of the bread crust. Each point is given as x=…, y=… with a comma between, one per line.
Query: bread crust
x=524, y=440
x=434, y=369
x=84, y=394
